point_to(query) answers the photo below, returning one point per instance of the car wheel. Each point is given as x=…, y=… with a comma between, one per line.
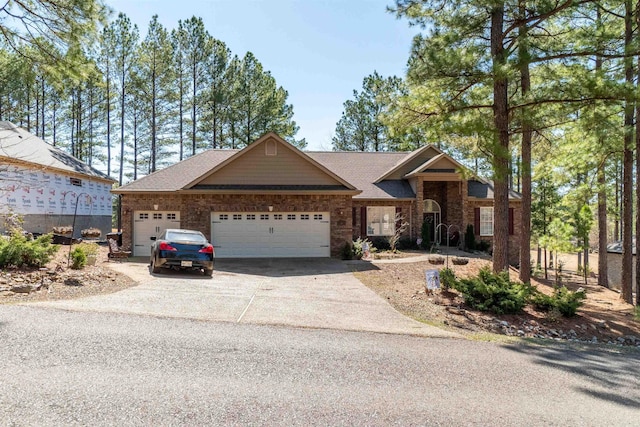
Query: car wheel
x=208, y=273
x=154, y=269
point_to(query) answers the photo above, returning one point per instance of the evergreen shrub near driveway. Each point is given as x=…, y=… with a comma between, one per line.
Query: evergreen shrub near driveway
x=565, y=301
x=494, y=292
x=19, y=251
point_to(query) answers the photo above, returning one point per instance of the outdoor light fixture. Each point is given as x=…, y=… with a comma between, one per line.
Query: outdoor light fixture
x=155, y=207
x=270, y=208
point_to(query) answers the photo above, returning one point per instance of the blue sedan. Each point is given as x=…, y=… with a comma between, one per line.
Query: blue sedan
x=182, y=250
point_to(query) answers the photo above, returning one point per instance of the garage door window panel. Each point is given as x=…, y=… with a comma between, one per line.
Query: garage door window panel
x=381, y=220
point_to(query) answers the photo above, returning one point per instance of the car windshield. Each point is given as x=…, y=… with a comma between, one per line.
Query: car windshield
x=191, y=237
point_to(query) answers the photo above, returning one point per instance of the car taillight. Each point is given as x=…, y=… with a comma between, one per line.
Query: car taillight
x=164, y=246
x=207, y=249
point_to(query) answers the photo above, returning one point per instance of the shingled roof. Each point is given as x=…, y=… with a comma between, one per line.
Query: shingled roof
x=16, y=144
x=358, y=169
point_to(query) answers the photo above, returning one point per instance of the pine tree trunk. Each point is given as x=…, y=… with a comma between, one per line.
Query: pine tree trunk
x=525, y=165
x=627, y=167
x=501, y=145
x=603, y=266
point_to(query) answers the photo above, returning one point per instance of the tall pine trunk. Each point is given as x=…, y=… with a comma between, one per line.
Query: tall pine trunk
x=525, y=165
x=501, y=144
x=603, y=266
x=627, y=167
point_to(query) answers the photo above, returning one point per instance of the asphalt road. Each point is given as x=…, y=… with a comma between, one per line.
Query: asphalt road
x=83, y=368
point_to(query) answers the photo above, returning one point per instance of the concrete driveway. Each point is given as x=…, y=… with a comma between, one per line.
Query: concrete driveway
x=313, y=293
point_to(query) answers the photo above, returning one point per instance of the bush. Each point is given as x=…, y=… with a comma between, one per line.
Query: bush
x=347, y=251
x=469, y=238
x=483, y=246
x=494, y=292
x=81, y=253
x=563, y=300
x=447, y=279
x=358, y=251
x=407, y=242
x=78, y=258
x=380, y=243
x=425, y=233
x=18, y=251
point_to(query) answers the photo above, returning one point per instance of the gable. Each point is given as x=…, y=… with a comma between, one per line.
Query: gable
x=270, y=161
x=412, y=161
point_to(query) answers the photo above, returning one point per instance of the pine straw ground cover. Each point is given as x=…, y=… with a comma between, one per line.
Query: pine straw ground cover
x=603, y=315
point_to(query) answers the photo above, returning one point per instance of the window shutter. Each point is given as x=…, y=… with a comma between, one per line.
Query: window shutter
x=476, y=221
x=353, y=217
x=363, y=222
x=511, y=228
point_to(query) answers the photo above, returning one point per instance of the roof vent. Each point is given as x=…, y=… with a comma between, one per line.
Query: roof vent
x=270, y=148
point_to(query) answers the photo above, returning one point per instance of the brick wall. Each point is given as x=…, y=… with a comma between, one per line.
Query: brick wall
x=195, y=210
x=406, y=210
x=514, y=239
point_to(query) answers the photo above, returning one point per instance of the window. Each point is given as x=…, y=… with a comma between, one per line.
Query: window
x=304, y=217
x=317, y=217
x=251, y=217
x=171, y=216
x=157, y=216
x=224, y=217
x=291, y=216
x=237, y=217
x=486, y=221
x=264, y=216
x=143, y=216
x=277, y=216
x=75, y=181
x=381, y=220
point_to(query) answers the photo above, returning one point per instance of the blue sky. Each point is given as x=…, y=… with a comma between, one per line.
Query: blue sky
x=318, y=50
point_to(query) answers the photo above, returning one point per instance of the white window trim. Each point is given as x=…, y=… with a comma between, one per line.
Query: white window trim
x=386, y=224
x=484, y=223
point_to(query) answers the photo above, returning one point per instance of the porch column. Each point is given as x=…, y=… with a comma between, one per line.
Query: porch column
x=419, y=208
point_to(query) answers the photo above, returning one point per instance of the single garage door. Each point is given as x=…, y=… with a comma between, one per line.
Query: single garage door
x=151, y=223
x=270, y=235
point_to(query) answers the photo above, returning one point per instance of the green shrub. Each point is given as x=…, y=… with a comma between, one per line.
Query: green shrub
x=19, y=251
x=380, y=243
x=347, y=251
x=407, y=242
x=358, y=251
x=78, y=258
x=564, y=300
x=469, y=238
x=447, y=279
x=425, y=234
x=494, y=292
x=89, y=249
x=483, y=246
x=81, y=253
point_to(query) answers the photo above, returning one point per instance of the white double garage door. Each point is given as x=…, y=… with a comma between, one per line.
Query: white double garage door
x=247, y=234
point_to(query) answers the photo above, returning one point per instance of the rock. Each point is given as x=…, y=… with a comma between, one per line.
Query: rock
x=18, y=280
x=24, y=288
x=594, y=339
x=621, y=340
x=456, y=311
x=572, y=332
x=504, y=323
x=602, y=323
x=520, y=332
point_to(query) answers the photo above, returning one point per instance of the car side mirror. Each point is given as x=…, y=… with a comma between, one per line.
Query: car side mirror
x=152, y=238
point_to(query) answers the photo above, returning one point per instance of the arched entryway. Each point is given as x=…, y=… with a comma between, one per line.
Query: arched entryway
x=431, y=214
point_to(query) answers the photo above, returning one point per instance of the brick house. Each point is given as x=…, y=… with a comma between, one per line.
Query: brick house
x=271, y=199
